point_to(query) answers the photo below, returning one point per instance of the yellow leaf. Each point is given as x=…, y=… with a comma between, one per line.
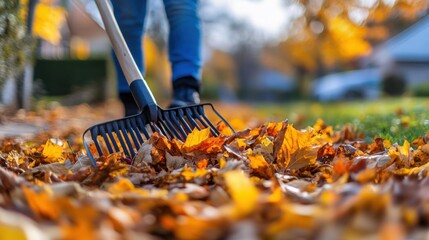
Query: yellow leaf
x=123, y=185
x=224, y=129
x=17, y=226
x=276, y=196
x=195, y=138
x=257, y=161
x=53, y=150
x=48, y=21
x=267, y=145
x=259, y=166
x=293, y=148
x=243, y=192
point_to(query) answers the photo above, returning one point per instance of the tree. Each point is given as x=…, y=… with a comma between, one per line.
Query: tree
x=332, y=33
x=15, y=45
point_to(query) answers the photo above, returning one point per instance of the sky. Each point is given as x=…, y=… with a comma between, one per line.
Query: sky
x=268, y=16
x=269, y=19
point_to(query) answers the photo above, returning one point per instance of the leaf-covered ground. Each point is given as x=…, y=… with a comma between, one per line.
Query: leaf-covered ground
x=268, y=181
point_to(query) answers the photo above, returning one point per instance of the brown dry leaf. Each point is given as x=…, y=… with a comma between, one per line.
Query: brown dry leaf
x=160, y=142
x=342, y=165
x=377, y=146
x=326, y=153
x=175, y=162
x=56, y=167
x=302, y=157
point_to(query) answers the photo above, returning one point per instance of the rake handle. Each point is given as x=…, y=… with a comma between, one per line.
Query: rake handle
x=138, y=86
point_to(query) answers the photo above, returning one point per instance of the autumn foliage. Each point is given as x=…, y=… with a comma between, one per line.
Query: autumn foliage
x=272, y=181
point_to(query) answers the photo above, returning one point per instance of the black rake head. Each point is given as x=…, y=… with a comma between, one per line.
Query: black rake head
x=129, y=133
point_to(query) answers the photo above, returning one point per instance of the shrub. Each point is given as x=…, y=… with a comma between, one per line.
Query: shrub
x=15, y=45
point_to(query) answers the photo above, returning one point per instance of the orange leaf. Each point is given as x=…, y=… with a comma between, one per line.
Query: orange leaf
x=41, y=203
x=202, y=164
x=224, y=129
x=259, y=166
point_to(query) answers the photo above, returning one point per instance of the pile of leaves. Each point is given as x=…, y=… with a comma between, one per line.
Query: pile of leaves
x=267, y=182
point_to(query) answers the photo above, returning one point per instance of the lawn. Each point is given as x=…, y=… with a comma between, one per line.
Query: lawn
x=394, y=119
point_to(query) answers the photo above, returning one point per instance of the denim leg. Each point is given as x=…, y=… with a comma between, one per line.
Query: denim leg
x=130, y=15
x=184, y=40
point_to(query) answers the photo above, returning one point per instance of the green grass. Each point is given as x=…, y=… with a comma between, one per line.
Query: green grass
x=395, y=119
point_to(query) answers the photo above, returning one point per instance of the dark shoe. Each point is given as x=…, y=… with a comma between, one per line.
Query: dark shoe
x=185, y=96
x=129, y=103
x=186, y=91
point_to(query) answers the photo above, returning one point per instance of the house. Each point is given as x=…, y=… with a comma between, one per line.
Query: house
x=406, y=54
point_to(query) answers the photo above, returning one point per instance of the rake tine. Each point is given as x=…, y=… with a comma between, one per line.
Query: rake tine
x=164, y=128
x=106, y=139
x=160, y=125
x=213, y=129
x=198, y=116
x=221, y=118
x=133, y=132
x=178, y=126
x=127, y=139
x=182, y=120
x=94, y=134
x=166, y=115
x=191, y=119
x=112, y=138
x=119, y=137
x=142, y=127
x=136, y=129
x=155, y=128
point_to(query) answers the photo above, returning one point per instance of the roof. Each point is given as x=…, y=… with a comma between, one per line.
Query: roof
x=409, y=45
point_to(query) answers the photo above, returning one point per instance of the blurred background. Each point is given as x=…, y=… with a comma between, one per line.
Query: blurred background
x=255, y=51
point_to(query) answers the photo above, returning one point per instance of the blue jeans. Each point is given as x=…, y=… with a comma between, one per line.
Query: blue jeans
x=184, y=40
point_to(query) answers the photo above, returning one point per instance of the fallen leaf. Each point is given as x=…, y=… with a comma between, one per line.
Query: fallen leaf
x=53, y=150
x=195, y=138
x=243, y=192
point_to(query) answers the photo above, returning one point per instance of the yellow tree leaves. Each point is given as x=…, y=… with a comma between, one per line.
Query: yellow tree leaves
x=347, y=38
x=48, y=20
x=330, y=32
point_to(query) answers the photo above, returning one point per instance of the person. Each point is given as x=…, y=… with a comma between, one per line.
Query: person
x=184, y=48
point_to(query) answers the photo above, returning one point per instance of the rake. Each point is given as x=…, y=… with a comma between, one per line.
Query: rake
x=128, y=134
